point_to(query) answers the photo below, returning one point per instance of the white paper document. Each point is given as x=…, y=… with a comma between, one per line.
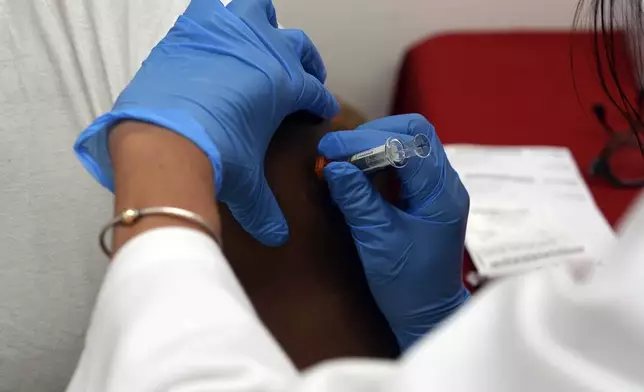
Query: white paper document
x=530, y=208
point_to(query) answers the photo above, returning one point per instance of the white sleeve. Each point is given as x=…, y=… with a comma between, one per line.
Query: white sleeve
x=172, y=317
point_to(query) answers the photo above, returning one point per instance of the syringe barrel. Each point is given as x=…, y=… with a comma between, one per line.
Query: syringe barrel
x=371, y=160
x=394, y=153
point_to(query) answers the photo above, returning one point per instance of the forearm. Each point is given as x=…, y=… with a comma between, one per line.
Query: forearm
x=157, y=167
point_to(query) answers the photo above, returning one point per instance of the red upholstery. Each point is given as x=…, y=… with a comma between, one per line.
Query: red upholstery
x=516, y=89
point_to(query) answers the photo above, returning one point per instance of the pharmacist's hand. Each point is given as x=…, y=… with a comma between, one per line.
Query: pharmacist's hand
x=413, y=257
x=225, y=78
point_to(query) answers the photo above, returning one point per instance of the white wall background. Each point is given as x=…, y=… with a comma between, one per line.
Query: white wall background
x=363, y=41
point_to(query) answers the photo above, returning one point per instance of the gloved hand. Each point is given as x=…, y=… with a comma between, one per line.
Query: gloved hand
x=413, y=257
x=225, y=78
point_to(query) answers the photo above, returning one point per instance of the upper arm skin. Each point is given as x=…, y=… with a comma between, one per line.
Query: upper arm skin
x=311, y=293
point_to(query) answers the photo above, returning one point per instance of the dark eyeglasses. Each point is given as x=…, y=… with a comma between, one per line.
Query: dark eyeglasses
x=621, y=162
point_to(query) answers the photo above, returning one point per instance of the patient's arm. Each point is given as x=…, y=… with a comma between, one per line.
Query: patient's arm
x=311, y=293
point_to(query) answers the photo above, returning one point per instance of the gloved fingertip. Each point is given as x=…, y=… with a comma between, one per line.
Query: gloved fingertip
x=337, y=170
x=275, y=236
x=317, y=99
x=327, y=145
x=271, y=228
x=257, y=211
x=333, y=106
x=272, y=14
x=322, y=75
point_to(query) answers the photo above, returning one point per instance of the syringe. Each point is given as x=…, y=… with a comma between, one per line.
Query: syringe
x=394, y=153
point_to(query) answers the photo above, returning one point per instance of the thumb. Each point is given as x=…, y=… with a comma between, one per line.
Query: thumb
x=258, y=212
x=351, y=190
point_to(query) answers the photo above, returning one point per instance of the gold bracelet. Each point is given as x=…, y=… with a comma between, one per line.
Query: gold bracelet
x=130, y=216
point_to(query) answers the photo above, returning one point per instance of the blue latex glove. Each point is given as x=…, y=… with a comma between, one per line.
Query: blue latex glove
x=413, y=258
x=225, y=78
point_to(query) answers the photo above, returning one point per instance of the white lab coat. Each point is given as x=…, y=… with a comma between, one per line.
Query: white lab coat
x=171, y=316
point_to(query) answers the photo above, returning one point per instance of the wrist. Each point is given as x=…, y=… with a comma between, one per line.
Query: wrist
x=92, y=146
x=154, y=167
